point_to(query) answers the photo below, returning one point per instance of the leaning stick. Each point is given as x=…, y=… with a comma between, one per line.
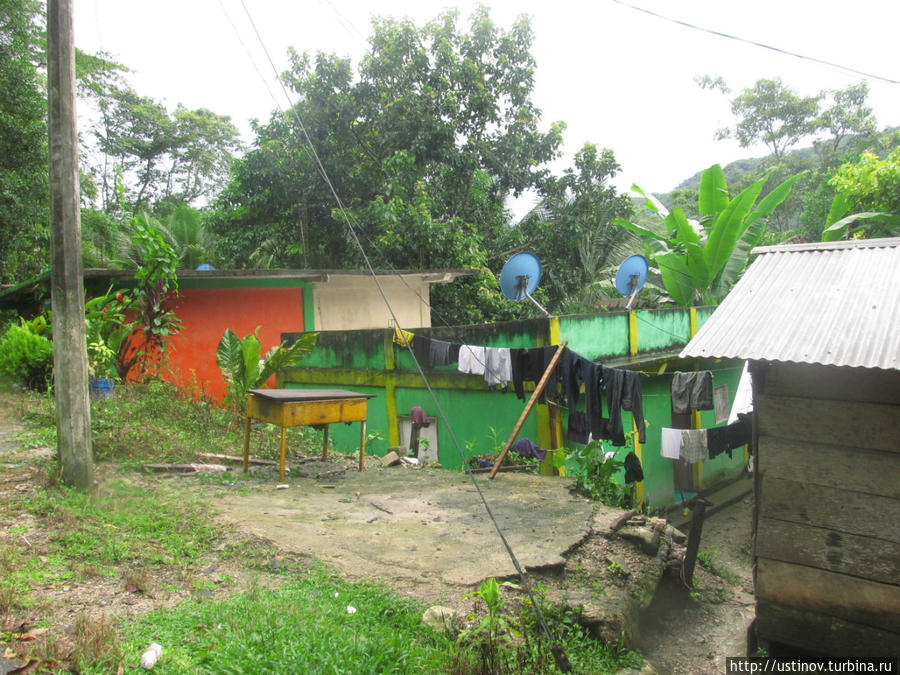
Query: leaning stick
x=534, y=397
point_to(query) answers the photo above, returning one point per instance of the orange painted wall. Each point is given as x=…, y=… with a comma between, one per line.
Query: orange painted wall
x=206, y=313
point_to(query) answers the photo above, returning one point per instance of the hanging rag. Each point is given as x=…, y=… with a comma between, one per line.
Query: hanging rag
x=497, y=366
x=419, y=418
x=634, y=473
x=692, y=391
x=717, y=441
x=740, y=433
x=527, y=365
x=471, y=360
x=578, y=371
x=526, y=448
x=632, y=401
x=693, y=445
x=421, y=348
x=403, y=337
x=670, y=443
x=579, y=429
x=623, y=392
x=551, y=388
x=439, y=353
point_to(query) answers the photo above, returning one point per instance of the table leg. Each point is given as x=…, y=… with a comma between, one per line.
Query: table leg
x=246, y=444
x=362, y=447
x=325, y=445
x=283, y=449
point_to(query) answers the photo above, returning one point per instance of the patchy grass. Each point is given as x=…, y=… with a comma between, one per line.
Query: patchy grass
x=708, y=559
x=125, y=521
x=89, y=580
x=303, y=627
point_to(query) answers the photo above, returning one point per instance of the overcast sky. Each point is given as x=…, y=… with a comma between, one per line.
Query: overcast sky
x=618, y=77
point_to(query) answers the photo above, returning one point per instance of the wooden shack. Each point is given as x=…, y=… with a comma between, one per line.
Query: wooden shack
x=820, y=326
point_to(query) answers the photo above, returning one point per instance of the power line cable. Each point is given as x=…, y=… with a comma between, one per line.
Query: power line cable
x=778, y=50
x=558, y=653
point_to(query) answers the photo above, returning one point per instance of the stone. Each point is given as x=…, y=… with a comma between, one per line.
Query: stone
x=658, y=524
x=646, y=669
x=440, y=618
x=401, y=450
x=390, y=459
x=677, y=535
x=645, y=537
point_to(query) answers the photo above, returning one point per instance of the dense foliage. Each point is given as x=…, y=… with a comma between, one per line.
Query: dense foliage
x=424, y=144
x=24, y=169
x=26, y=354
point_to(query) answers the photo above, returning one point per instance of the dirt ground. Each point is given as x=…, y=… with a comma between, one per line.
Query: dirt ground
x=426, y=534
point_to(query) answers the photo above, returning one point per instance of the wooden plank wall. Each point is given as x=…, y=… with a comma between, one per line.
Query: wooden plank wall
x=827, y=540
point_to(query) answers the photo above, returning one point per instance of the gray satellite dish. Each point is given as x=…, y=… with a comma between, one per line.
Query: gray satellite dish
x=631, y=277
x=520, y=277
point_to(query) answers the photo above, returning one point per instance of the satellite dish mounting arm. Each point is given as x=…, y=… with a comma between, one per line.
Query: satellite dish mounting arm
x=522, y=292
x=634, y=286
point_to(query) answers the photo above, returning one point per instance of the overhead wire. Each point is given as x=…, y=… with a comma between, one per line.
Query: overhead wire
x=762, y=45
x=562, y=662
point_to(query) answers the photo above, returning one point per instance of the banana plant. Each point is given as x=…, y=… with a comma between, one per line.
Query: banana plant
x=699, y=261
x=243, y=369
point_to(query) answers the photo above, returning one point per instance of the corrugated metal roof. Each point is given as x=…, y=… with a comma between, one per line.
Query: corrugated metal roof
x=832, y=303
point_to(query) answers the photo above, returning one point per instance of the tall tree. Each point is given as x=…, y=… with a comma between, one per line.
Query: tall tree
x=156, y=155
x=423, y=144
x=24, y=233
x=572, y=232
x=849, y=113
x=772, y=113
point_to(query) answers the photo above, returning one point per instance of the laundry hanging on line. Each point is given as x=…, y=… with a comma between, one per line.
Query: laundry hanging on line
x=729, y=437
x=619, y=389
x=692, y=391
x=693, y=445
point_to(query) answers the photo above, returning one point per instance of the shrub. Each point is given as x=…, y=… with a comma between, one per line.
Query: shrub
x=26, y=356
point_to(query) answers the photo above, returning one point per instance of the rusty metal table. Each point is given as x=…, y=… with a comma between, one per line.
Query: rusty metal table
x=306, y=407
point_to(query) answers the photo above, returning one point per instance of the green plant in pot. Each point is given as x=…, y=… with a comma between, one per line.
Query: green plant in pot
x=106, y=327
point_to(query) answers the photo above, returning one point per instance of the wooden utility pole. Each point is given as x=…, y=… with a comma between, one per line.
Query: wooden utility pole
x=73, y=412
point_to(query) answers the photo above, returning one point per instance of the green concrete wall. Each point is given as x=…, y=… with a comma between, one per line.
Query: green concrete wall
x=369, y=362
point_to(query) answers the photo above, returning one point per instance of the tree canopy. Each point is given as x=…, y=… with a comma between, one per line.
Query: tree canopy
x=422, y=145
x=24, y=169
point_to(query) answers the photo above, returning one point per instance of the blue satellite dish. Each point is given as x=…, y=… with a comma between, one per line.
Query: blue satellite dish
x=632, y=275
x=205, y=267
x=520, y=276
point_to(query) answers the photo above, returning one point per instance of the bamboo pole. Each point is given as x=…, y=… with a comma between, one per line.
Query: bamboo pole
x=534, y=397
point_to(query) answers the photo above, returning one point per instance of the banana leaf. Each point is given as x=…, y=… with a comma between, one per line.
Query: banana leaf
x=838, y=230
x=770, y=202
x=729, y=226
x=676, y=278
x=229, y=356
x=713, y=195
x=685, y=233
x=280, y=357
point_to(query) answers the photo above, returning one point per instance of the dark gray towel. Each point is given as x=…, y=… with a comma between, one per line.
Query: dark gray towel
x=692, y=391
x=439, y=354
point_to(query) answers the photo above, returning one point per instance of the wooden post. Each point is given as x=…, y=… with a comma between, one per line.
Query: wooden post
x=693, y=541
x=246, y=442
x=73, y=412
x=362, y=446
x=534, y=397
x=283, y=453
